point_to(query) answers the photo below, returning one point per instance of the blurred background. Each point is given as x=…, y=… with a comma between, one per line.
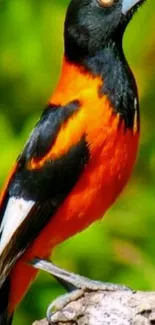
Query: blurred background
x=120, y=249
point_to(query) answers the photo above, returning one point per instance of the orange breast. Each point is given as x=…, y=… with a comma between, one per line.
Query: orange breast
x=112, y=155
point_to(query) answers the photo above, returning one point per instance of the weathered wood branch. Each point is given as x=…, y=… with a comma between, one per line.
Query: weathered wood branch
x=94, y=306
x=107, y=308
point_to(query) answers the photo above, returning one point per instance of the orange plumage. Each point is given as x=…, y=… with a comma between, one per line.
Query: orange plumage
x=113, y=152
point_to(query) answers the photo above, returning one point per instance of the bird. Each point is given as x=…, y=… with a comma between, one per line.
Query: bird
x=80, y=153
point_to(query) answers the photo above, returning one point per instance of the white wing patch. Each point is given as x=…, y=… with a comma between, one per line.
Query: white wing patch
x=15, y=213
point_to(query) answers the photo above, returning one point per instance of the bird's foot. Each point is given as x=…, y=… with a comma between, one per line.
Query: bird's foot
x=58, y=305
x=75, y=284
x=72, y=281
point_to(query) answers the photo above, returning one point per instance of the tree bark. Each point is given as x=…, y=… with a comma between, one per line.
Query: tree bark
x=106, y=308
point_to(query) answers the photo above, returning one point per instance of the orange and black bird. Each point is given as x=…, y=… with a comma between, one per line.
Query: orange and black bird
x=80, y=154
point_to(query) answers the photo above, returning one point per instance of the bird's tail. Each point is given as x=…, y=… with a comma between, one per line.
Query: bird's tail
x=5, y=318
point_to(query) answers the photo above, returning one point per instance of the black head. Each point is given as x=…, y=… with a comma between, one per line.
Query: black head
x=91, y=24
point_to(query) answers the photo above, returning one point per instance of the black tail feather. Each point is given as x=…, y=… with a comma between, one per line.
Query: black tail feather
x=5, y=319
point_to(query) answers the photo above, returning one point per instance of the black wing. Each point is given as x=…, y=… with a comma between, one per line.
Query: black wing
x=47, y=186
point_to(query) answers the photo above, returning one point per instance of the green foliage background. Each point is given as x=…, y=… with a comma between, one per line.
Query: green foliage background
x=120, y=249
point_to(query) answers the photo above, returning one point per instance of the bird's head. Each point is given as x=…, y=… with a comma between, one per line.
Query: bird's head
x=92, y=24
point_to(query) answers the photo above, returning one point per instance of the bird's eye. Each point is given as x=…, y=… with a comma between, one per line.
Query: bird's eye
x=105, y=3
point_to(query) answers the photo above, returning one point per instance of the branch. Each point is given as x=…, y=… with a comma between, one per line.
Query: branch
x=92, y=305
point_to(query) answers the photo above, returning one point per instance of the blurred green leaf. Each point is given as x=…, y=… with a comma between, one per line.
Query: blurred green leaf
x=120, y=248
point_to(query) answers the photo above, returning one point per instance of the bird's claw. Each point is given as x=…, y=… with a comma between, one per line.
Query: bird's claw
x=59, y=303
x=75, y=284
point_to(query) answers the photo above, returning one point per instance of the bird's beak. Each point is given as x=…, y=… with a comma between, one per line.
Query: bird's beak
x=128, y=5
